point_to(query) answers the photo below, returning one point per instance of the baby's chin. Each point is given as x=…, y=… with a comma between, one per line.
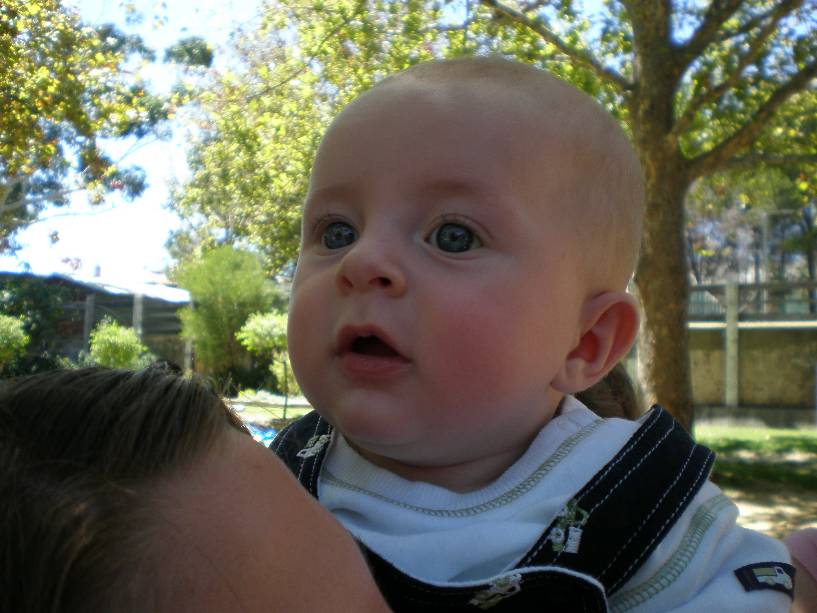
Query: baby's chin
x=372, y=425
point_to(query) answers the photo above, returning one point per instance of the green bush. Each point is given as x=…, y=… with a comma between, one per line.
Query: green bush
x=116, y=346
x=13, y=340
x=265, y=335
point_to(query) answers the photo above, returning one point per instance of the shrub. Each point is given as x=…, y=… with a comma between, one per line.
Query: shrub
x=13, y=340
x=116, y=346
x=265, y=335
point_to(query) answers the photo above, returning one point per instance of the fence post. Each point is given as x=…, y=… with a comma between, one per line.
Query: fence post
x=731, y=395
x=88, y=323
x=188, y=356
x=138, y=314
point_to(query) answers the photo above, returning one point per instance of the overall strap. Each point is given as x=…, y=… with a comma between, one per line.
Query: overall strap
x=529, y=590
x=301, y=446
x=610, y=527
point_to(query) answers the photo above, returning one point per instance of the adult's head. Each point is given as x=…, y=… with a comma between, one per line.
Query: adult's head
x=141, y=491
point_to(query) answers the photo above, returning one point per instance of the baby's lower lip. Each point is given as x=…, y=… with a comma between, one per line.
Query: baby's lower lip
x=359, y=365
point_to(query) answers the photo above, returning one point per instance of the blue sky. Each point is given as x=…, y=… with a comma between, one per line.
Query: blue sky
x=126, y=239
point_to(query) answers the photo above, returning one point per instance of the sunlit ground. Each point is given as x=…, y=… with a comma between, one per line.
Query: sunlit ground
x=776, y=513
x=770, y=473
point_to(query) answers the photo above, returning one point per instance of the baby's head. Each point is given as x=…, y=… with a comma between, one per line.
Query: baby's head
x=468, y=236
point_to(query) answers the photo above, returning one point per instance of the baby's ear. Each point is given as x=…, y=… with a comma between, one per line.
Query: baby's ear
x=609, y=325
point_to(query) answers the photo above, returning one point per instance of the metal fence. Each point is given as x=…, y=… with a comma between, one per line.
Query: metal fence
x=793, y=301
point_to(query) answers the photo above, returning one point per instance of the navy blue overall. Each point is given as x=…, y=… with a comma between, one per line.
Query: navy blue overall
x=590, y=550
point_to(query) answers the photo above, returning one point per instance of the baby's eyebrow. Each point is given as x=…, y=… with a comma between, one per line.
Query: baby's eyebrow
x=483, y=198
x=330, y=193
x=474, y=190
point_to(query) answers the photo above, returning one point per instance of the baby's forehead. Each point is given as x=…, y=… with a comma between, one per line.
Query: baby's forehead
x=540, y=102
x=540, y=112
x=540, y=123
x=443, y=131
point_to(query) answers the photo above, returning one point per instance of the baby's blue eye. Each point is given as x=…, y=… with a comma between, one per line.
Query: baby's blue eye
x=338, y=235
x=453, y=238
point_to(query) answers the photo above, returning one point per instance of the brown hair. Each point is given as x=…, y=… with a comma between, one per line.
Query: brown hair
x=613, y=396
x=79, y=450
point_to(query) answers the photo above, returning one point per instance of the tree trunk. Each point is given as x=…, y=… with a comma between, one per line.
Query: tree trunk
x=663, y=286
x=812, y=274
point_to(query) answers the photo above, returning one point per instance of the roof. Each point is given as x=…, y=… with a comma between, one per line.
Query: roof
x=157, y=291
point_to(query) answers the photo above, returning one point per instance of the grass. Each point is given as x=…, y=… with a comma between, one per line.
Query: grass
x=728, y=439
x=757, y=458
x=266, y=413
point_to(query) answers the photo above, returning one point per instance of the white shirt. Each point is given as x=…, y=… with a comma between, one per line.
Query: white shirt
x=444, y=537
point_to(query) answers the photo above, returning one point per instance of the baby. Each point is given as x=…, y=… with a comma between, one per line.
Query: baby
x=469, y=232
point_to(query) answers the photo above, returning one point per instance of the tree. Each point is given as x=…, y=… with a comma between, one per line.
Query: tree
x=226, y=286
x=38, y=304
x=701, y=87
x=64, y=87
x=759, y=226
x=261, y=121
x=190, y=51
x=732, y=218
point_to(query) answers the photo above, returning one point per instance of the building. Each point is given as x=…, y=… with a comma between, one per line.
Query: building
x=150, y=308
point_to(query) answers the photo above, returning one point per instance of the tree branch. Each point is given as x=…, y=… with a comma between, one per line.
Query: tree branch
x=23, y=200
x=584, y=58
x=304, y=65
x=715, y=158
x=534, y=4
x=750, y=25
x=747, y=162
x=751, y=55
x=716, y=15
x=453, y=28
x=13, y=183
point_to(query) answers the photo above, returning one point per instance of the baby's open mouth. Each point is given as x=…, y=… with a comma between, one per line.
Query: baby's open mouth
x=366, y=353
x=372, y=346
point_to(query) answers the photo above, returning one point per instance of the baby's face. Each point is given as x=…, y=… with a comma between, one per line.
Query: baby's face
x=437, y=293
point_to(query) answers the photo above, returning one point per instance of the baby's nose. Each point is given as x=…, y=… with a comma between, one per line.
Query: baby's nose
x=371, y=266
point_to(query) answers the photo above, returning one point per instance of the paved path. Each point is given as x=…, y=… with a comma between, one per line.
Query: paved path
x=774, y=511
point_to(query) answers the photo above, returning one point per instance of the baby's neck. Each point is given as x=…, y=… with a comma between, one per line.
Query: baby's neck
x=465, y=474
x=462, y=477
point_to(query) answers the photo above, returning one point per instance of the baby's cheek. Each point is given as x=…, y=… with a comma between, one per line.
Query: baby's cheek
x=472, y=352
x=492, y=353
x=304, y=340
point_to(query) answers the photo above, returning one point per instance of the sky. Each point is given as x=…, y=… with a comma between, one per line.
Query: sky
x=126, y=240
